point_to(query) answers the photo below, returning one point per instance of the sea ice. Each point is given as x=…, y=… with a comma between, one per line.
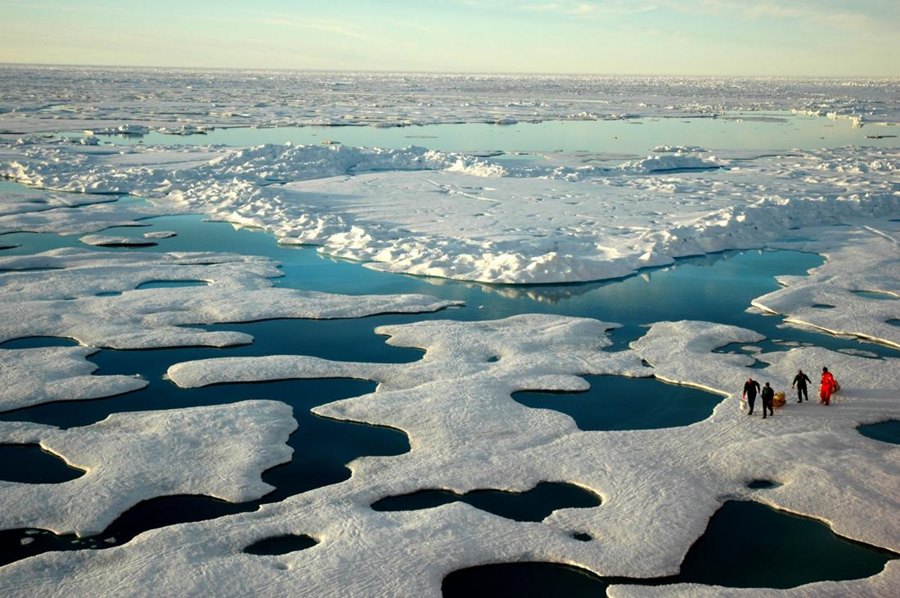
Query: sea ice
x=113, y=241
x=659, y=487
x=160, y=234
x=79, y=300
x=459, y=216
x=878, y=586
x=33, y=376
x=864, y=260
x=187, y=101
x=218, y=451
x=93, y=217
x=450, y=215
x=22, y=200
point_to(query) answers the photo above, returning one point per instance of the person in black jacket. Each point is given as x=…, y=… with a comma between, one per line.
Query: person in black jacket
x=751, y=387
x=768, y=399
x=800, y=381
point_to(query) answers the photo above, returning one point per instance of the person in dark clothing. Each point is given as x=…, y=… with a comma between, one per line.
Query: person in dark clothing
x=768, y=399
x=800, y=381
x=751, y=387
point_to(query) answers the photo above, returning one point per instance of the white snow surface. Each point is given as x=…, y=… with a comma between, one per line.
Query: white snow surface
x=160, y=234
x=132, y=100
x=93, y=297
x=445, y=215
x=459, y=216
x=43, y=375
x=659, y=487
x=218, y=451
x=96, y=216
x=23, y=201
x=856, y=292
x=111, y=240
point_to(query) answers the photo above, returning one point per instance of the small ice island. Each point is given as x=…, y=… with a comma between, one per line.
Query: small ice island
x=398, y=302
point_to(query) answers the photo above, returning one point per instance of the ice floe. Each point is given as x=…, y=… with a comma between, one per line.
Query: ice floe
x=834, y=296
x=114, y=241
x=21, y=200
x=76, y=302
x=160, y=234
x=186, y=102
x=460, y=216
x=218, y=451
x=659, y=487
x=877, y=586
x=670, y=162
x=91, y=218
x=41, y=375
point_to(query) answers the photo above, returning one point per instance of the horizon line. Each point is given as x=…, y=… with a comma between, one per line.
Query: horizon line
x=426, y=72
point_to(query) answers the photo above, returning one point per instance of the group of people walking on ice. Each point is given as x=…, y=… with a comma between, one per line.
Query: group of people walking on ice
x=827, y=387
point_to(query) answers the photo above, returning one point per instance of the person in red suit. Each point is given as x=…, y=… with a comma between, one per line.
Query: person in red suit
x=827, y=387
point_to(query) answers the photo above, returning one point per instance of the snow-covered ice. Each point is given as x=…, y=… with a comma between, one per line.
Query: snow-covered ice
x=114, y=241
x=556, y=218
x=160, y=234
x=458, y=216
x=860, y=300
x=64, y=375
x=449, y=215
x=878, y=586
x=89, y=219
x=93, y=297
x=185, y=101
x=659, y=487
x=218, y=451
x=23, y=201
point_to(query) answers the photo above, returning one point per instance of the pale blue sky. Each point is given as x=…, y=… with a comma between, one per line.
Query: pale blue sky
x=692, y=37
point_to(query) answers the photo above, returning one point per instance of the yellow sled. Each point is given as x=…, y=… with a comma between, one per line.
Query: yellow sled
x=778, y=400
